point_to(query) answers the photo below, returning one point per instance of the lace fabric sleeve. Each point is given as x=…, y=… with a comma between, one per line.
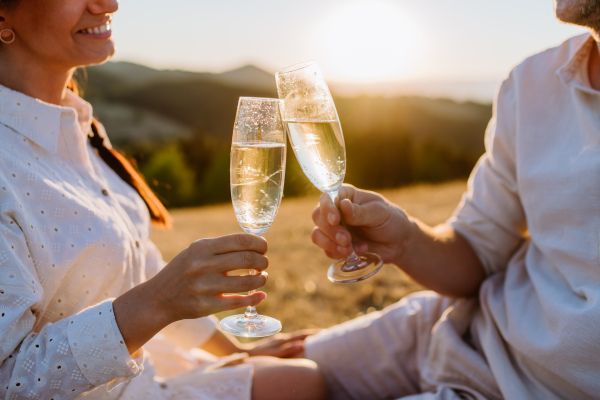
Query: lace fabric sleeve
x=64, y=359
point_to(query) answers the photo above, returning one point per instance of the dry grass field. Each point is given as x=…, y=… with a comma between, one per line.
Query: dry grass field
x=299, y=294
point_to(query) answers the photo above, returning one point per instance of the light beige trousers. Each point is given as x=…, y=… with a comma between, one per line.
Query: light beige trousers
x=420, y=348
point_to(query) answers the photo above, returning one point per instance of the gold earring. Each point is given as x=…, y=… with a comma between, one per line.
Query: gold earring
x=12, y=39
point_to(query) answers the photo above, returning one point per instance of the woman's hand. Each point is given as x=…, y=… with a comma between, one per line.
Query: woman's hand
x=193, y=285
x=374, y=225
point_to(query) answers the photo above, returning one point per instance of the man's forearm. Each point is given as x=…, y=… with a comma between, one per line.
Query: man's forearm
x=441, y=260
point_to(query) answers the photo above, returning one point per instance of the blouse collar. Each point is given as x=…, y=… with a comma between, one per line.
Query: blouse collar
x=42, y=122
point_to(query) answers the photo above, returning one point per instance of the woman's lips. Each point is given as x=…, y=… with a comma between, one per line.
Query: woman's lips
x=99, y=32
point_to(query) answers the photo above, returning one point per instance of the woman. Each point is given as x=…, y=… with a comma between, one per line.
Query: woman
x=82, y=288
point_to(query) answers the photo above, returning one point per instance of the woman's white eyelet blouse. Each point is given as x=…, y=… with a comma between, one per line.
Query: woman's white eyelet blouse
x=73, y=236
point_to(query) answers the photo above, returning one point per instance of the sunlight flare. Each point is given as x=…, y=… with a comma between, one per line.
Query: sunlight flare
x=371, y=41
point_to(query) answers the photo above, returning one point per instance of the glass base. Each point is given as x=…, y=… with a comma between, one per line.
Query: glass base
x=369, y=265
x=261, y=326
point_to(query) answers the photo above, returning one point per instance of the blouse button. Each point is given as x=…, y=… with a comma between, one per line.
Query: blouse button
x=137, y=244
x=105, y=192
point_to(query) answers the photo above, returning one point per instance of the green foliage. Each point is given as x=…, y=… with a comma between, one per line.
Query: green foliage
x=169, y=176
x=215, y=185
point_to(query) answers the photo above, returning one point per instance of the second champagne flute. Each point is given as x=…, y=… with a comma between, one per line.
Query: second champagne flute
x=257, y=175
x=316, y=136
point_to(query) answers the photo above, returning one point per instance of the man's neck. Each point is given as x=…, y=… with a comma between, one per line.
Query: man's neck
x=594, y=66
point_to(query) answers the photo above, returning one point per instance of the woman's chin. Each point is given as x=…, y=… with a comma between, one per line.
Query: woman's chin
x=98, y=56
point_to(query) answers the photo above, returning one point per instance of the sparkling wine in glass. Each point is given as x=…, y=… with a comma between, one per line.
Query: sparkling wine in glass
x=257, y=174
x=318, y=143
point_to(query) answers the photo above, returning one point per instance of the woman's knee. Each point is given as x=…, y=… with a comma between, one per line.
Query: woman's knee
x=293, y=379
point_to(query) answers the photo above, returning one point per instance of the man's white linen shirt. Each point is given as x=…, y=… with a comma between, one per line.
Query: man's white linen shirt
x=532, y=214
x=73, y=236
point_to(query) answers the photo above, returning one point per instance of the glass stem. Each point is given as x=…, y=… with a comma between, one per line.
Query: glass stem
x=352, y=259
x=251, y=310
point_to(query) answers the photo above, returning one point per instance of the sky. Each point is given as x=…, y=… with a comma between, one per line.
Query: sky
x=361, y=45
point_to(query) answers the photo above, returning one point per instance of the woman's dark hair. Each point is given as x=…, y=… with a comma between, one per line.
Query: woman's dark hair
x=126, y=171
x=115, y=160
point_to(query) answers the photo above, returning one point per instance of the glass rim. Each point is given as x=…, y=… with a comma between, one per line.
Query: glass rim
x=296, y=67
x=260, y=98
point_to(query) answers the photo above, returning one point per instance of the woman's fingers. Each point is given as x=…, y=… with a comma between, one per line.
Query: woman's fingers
x=235, y=301
x=239, y=260
x=232, y=243
x=243, y=283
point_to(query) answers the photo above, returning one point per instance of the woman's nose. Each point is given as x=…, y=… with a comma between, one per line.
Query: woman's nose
x=103, y=6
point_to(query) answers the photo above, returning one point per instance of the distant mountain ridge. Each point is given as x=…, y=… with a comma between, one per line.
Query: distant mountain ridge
x=248, y=76
x=140, y=103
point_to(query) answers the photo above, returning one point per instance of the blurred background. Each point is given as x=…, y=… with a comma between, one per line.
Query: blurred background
x=413, y=82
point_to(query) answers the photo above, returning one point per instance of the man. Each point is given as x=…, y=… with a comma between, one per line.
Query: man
x=525, y=239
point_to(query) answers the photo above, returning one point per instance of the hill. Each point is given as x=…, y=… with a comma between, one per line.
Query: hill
x=178, y=126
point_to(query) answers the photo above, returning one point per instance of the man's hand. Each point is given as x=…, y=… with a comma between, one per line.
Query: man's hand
x=437, y=258
x=374, y=225
x=283, y=345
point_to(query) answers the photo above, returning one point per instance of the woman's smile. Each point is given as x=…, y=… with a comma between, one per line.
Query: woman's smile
x=102, y=31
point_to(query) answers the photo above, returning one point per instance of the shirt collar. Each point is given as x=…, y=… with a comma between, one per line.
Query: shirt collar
x=574, y=72
x=42, y=122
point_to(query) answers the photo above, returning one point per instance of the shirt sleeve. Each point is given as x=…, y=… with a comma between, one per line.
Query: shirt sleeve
x=490, y=215
x=64, y=359
x=187, y=333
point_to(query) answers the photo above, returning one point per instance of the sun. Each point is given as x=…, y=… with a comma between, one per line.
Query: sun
x=371, y=40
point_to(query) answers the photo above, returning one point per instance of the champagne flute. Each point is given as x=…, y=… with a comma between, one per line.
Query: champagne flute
x=257, y=174
x=318, y=143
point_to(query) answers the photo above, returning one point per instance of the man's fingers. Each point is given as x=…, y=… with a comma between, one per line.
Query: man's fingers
x=235, y=301
x=328, y=210
x=348, y=192
x=359, y=196
x=301, y=335
x=361, y=248
x=232, y=243
x=338, y=234
x=289, y=349
x=331, y=255
x=369, y=214
x=324, y=242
